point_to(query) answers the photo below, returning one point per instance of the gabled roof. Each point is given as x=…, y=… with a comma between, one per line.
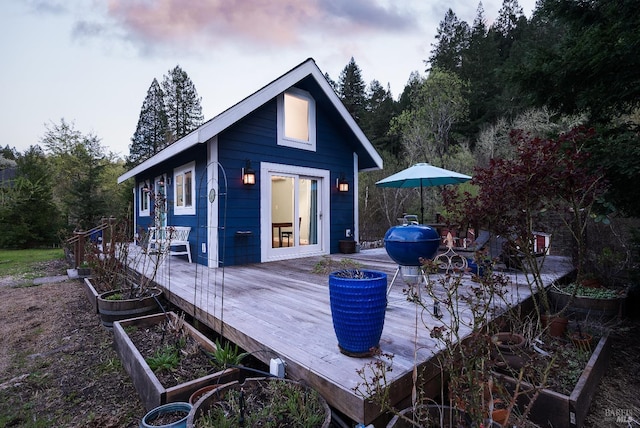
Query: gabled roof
x=230, y=116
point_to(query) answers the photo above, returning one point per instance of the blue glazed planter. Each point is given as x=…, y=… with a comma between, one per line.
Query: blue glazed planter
x=408, y=243
x=147, y=421
x=358, y=308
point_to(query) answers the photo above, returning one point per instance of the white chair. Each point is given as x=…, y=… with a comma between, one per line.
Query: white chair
x=169, y=237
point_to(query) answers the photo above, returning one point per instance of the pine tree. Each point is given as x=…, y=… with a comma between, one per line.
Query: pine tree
x=182, y=103
x=351, y=89
x=376, y=122
x=480, y=62
x=152, y=132
x=453, y=39
x=28, y=216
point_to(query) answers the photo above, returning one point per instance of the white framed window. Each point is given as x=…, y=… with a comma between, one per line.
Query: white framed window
x=184, y=189
x=297, y=120
x=144, y=198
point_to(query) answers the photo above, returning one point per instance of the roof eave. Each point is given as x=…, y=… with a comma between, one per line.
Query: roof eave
x=230, y=116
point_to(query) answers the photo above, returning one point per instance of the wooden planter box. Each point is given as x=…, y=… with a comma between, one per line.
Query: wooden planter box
x=91, y=293
x=589, y=307
x=556, y=410
x=152, y=393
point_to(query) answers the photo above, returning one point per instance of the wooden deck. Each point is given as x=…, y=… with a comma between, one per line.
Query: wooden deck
x=281, y=309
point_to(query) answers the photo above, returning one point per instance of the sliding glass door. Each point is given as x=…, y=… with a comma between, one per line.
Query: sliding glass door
x=295, y=209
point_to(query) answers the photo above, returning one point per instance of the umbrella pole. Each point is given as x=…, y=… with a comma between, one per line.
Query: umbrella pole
x=421, y=205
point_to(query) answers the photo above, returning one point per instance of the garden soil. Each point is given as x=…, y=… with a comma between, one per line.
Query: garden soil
x=58, y=367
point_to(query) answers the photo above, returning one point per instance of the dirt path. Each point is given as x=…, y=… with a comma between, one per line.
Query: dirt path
x=57, y=364
x=58, y=367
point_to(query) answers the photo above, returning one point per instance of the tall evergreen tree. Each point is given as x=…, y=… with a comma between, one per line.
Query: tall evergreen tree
x=508, y=27
x=479, y=67
x=593, y=66
x=380, y=109
x=152, y=132
x=351, y=89
x=182, y=103
x=452, y=39
x=28, y=216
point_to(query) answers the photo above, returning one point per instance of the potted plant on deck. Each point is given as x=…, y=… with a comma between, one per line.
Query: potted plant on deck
x=358, y=299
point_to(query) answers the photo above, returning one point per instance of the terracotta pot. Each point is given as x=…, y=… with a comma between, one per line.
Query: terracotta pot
x=581, y=341
x=500, y=416
x=201, y=392
x=509, y=350
x=556, y=326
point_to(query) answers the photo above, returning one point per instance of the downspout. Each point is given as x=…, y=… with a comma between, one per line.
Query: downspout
x=356, y=210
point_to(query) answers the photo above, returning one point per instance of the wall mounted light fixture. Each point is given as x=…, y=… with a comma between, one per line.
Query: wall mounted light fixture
x=248, y=174
x=342, y=184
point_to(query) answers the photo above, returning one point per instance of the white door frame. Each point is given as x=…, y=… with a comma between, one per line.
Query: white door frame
x=267, y=253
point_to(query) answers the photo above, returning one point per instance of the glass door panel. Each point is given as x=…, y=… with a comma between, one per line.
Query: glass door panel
x=282, y=211
x=308, y=211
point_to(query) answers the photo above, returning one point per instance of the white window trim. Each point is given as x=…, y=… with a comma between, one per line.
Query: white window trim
x=142, y=194
x=292, y=142
x=180, y=210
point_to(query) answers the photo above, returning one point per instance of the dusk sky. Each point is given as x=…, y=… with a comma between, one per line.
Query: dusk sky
x=92, y=61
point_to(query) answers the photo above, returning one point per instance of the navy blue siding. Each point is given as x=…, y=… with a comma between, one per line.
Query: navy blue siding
x=197, y=222
x=255, y=138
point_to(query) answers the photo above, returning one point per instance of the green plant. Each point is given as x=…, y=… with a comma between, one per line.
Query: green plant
x=165, y=358
x=457, y=313
x=115, y=296
x=594, y=293
x=274, y=403
x=227, y=355
x=327, y=265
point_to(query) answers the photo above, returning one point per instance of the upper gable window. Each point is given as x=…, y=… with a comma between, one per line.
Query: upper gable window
x=184, y=189
x=297, y=120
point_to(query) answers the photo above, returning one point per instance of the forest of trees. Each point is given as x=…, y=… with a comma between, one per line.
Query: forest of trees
x=571, y=63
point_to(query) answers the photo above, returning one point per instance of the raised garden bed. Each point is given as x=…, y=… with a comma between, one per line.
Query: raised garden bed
x=592, y=307
x=91, y=294
x=152, y=391
x=557, y=410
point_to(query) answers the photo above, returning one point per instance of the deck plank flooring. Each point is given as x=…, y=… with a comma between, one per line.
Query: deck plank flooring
x=281, y=309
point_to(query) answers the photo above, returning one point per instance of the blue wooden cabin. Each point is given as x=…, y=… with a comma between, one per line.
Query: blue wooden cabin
x=274, y=177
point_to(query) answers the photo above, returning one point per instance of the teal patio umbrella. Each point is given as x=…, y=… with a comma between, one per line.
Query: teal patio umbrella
x=422, y=175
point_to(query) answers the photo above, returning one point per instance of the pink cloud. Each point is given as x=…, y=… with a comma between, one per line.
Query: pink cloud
x=262, y=21
x=257, y=22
